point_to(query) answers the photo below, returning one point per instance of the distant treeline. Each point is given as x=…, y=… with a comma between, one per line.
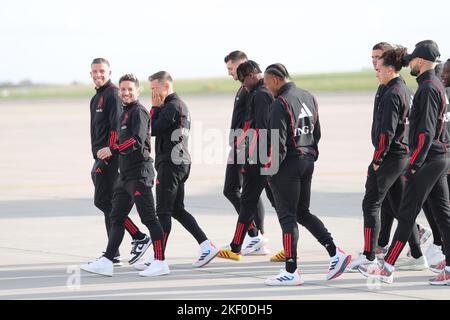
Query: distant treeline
x=328, y=82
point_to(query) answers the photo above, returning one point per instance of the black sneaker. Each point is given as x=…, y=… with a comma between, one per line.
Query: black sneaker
x=138, y=248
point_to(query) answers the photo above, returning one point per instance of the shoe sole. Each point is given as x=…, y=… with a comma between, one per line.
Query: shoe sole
x=413, y=268
x=98, y=273
x=283, y=285
x=141, y=268
x=208, y=261
x=342, y=268
x=154, y=275
x=132, y=261
x=440, y=283
x=228, y=257
x=259, y=253
x=382, y=279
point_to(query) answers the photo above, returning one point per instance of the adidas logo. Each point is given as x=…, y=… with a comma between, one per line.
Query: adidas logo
x=305, y=113
x=285, y=278
x=98, y=170
x=137, y=193
x=333, y=264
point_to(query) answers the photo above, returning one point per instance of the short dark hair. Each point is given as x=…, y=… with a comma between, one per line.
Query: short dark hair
x=161, y=76
x=383, y=46
x=395, y=58
x=100, y=61
x=129, y=77
x=277, y=70
x=247, y=68
x=235, y=56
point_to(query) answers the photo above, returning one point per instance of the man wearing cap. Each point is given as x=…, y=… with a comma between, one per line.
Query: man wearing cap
x=428, y=164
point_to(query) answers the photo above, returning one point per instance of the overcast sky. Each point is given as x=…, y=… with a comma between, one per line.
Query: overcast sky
x=54, y=41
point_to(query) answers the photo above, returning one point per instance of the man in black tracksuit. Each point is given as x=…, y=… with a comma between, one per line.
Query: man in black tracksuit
x=233, y=174
x=135, y=181
x=105, y=108
x=426, y=176
x=387, y=212
x=434, y=251
x=258, y=102
x=389, y=137
x=294, y=120
x=170, y=124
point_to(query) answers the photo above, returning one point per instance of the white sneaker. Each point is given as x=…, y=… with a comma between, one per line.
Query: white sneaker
x=285, y=278
x=102, y=266
x=253, y=244
x=263, y=251
x=379, y=271
x=434, y=254
x=207, y=253
x=359, y=261
x=413, y=264
x=338, y=263
x=142, y=265
x=246, y=241
x=156, y=268
x=424, y=234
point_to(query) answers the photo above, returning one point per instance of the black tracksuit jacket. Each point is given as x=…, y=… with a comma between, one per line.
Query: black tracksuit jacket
x=295, y=114
x=427, y=133
x=171, y=121
x=258, y=104
x=239, y=113
x=133, y=143
x=106, y=109
x=389, y=128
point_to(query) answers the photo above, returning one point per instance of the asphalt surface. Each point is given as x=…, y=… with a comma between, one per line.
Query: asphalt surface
x=50, y=225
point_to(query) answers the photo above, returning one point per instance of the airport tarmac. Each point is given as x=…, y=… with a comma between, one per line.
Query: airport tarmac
x=49, y=224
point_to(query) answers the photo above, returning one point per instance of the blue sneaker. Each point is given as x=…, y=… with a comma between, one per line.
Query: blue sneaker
x=338, y=264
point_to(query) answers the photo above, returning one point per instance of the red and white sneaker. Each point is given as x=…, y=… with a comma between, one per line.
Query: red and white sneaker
x=378, y=271
x=438, y=268
x=442, y=279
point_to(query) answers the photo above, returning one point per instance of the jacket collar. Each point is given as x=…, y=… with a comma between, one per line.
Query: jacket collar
x=427, y=75
x=286, y=87
x=106, y=85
